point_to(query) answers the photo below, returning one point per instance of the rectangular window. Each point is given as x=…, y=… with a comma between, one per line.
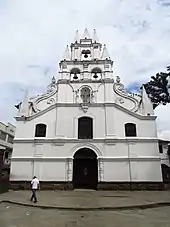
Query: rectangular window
x=3, y=135
x=6, y=155
x=160, y=148
x=10, y=139
x=85, y=128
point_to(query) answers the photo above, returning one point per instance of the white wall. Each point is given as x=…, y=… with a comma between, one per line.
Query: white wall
x=49, y=162
x=107, y=121
x=21, y=170
x=116, y=171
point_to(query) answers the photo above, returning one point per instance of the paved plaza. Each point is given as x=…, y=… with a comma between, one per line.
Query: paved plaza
x=85, y=208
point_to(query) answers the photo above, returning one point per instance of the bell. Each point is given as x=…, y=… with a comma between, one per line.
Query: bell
x=95, y=76
x=75, y=77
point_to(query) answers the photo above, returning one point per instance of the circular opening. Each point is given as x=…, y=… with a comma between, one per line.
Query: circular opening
x=86, y=56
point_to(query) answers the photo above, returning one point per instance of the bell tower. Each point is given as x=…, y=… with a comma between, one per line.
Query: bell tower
x=86, y=59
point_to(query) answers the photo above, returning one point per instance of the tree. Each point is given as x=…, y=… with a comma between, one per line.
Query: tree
x=158, y=88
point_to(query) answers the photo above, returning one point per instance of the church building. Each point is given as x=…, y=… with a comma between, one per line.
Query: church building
x=86, y=130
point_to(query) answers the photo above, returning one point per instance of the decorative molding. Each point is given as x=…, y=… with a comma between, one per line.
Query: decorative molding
x=92, y=62
x=119, y=89
x=50, y=101
x=62, y=141
x=101, y=160
x=34, y=158
x=86, y=144
x=125, y=158
x=51, y=90
x=85, y=81
x=85, y=107
x=141, y=117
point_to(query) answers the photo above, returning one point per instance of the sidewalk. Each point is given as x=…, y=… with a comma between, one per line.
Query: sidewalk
x=90, y=200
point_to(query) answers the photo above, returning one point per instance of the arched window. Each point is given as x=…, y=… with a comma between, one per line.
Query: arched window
x=96, y=73
x=85, y=94
x=75, y=73
x=40, y=130
x=85, y=128
x=130, y=130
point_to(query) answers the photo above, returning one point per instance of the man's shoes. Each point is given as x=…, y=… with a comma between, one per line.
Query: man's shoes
x=35, y=201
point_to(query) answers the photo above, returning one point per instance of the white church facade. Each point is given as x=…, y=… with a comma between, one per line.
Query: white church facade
x=86, y=131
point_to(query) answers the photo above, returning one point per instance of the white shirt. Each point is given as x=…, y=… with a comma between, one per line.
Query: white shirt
x=35, y=183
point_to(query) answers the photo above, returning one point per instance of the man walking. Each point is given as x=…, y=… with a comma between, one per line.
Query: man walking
x=35, y=184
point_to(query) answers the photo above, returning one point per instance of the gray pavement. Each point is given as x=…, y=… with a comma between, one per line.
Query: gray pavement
x=17, y=216
x=90, y=200
x=65, y=209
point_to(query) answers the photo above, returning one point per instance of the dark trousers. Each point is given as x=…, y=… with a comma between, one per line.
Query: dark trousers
x=34, y=195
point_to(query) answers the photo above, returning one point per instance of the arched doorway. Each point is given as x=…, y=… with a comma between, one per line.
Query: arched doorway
x=85, y=169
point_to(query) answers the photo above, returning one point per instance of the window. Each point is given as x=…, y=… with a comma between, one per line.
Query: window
x=40, y=130
x=6, y=155
x=130, y=130
x=85, y=95
x=85, y=128
x=160, y=148
x=3, y=135
x=10, y=139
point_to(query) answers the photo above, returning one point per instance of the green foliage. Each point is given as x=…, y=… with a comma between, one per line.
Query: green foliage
x=157, y=88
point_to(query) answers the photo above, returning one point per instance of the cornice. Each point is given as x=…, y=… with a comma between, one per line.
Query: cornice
x=62, y=141
x=136, y=115
x=104, y=81
x=93, y=61
x=102, y=158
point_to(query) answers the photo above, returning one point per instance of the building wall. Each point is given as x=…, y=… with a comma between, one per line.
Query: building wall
x=118, y=161
x=7, y=133
x=119, y=158
x=108, y=121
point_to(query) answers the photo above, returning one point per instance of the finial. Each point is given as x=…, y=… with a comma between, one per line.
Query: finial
x=86, y=34
x=76, y=38
x=53, y=80
x=117, y=79
x=105, y=54
x=95, y=38
x=66, y=54
x=25, y=105
x=146, y=102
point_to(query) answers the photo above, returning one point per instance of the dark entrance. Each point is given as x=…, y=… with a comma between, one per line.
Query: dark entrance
x=85, y=128
x=85, y=169
x=4, y=174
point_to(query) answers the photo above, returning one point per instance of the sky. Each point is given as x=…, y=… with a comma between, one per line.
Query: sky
x=34, y=34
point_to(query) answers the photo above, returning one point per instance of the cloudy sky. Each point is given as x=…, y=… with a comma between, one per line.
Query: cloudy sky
x=34, y=33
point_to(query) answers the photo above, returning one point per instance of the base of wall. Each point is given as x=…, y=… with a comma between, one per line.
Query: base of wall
x=138, y=186
x=53, y=185
x=44, y=185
